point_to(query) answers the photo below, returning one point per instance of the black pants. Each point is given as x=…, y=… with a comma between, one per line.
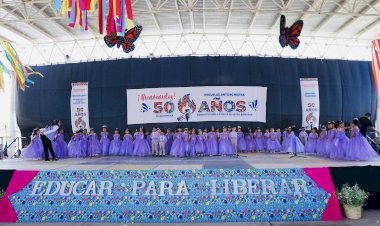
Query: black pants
x=47, y=147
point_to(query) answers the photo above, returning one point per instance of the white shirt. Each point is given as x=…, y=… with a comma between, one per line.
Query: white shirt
x=233, y=134
x=163, y=138
x=155, y=135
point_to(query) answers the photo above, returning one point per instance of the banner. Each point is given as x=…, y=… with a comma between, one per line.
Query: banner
x=169, y=196
x=197, y=104
x=79, y=106
x=310, y=102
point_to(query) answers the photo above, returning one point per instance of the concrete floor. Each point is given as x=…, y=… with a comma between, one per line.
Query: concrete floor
x=256, y=160
x=249, y=160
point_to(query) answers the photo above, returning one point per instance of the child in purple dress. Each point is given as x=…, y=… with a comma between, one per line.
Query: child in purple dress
x=241, y=144
x=259, y=140
x=272, y=143
x=149, y=139
x=74, y=147
x=205, y=138
x=200, y=146
x=104, y=141
x=115, y=143
x=266, y=138
x=169, y=142
x=225, y=146
x=249, y=141
x=295, y=145
x=303, y=136
x=178, y=147
x=127, y=144
x=84, y=143
x=212, y=142
x=193, y=142
x=186, y=141
x=285, y=139
x=94, y=146
x=59, y=145
x=140, y=144
x=340, y=142
x=278, y=135
x=358, y=148
x=321, y=143
x=331, y=131
x=35, y=150
x=311, y=145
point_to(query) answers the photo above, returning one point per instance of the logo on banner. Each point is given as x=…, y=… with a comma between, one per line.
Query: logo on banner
x=144, y=107
x=253, y=105
x=80, y=123
x=311, y=119
x=186, y=107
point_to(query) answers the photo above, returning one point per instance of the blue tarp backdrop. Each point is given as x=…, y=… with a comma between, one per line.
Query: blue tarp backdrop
x=346, y=87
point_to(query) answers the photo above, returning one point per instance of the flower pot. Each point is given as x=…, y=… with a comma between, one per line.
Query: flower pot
x=353, y=212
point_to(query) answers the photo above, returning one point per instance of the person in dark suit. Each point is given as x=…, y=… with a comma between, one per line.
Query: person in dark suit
x=365, y=124
x=47, y=135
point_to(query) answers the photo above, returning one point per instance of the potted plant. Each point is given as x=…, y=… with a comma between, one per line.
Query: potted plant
x=353, y=199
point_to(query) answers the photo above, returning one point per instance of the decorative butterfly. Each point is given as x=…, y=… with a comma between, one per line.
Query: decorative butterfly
x=125, y=42
x=289, y=36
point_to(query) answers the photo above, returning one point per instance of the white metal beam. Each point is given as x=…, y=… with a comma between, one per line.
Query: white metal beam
x=150, y=6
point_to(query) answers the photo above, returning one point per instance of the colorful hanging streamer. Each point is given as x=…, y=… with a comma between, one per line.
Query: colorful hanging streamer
x=77, y=12
x=21, y=72
x=376, y=63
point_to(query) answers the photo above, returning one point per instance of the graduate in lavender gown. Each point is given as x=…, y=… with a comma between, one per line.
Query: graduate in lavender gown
x=178, y=147
x=241, y=143
x=149, y=139
x=249, y=141
x=94, y=146
x=115, y=143
x=225, y=145
x=340, y=142
x=321, y=143
x=140, y=144
x=84, y=143
x=312, y=142
x=127, y=144
x=278, y=135
x=331, y=131
x=259, y=140
x=200, y=145
x=303, y=136
x=186, y=141
x=35, y=150
x=74, y=147
x=212, y=142
x=205, y=138
x=358, y=148
x=104, y=141
x=59, y=145
x=266, y=138
x=295, y=145
x=193, y=142
x=169, y=142
x=285, y=139
x=272, y=143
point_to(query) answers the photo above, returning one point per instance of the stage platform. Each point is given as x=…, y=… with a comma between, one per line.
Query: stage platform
x=246, y=160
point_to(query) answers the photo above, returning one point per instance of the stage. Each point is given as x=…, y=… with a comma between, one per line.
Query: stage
x=245, y=160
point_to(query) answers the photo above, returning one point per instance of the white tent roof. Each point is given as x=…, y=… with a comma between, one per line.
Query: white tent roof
x=333, y=29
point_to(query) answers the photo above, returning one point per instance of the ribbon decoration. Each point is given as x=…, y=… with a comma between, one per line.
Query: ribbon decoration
x=21, y=72
x=376, y=63
x=78, y=11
